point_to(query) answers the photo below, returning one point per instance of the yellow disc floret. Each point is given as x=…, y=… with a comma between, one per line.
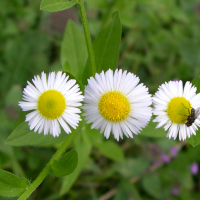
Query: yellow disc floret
x=178, y=110
x=51, y=104
x=114, y=106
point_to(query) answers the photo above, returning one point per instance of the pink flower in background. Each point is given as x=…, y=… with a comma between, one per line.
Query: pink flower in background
x=165, y=158
x=173, y=152
x=175, y=191
x=194, y=168
x=176, y=79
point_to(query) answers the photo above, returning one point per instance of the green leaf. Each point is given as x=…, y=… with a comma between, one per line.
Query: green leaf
x=126, y=190
x=151, y=131
x=132, y=167
x=56, y=5
x=106, y=44
x=194, y=140
x=196, y=82
x=152, y=185
x=94, y=135
x=23, y=136
x=74, y=51
x=83, y=148
x=12, y=185
x=111, y=150
x=106, y=47
x=65, y=165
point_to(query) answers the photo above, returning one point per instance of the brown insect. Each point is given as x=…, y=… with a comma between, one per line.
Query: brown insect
x=193, y=116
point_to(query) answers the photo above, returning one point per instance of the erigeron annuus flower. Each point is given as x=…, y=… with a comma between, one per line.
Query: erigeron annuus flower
x=115, y=103
x=53, y=102
x=173, y=105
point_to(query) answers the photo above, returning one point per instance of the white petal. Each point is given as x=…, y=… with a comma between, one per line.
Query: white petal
x=55, y=81
x=161, y=99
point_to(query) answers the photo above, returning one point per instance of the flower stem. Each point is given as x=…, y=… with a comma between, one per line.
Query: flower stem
x=87, y=35
x=47, y=168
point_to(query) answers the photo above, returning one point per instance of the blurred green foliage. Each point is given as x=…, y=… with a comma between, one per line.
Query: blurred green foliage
x=158, y=36
x=160, y=42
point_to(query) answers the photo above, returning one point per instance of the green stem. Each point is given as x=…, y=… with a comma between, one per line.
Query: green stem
x=136, y=193
x=87, y=35
x=47, y=168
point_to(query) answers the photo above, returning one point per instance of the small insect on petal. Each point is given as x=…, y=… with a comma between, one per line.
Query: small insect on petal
x=177, y=109
x=192, y=117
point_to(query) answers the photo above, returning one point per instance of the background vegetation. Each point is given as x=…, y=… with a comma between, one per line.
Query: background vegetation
x=160, y=42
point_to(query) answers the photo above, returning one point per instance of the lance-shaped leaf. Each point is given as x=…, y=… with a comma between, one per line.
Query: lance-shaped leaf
x=111, y=150
x=56, y=5
x=74, y=51
x=106, y=47
x=196, y=82
x=12, y=185
x=155, y=188
x=65, y=165
x=23, y=136
x=194, y=140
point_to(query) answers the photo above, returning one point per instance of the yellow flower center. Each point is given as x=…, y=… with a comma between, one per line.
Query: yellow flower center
x=178, y=110
x=114, y=106
x=51, y=104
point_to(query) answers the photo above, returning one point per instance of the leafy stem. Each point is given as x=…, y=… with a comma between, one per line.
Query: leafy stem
x=47, y=168
x=81, y=7
x=69, y=138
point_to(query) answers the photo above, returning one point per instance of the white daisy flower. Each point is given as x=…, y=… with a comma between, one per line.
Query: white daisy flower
x=116, y=104
x=53, y=101
x=177, y=109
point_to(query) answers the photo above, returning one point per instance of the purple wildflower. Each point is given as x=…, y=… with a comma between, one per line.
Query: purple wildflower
x=194, y=168
x=175, y=191
x=173, y=152
x=176, y=79
x=165, y=158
